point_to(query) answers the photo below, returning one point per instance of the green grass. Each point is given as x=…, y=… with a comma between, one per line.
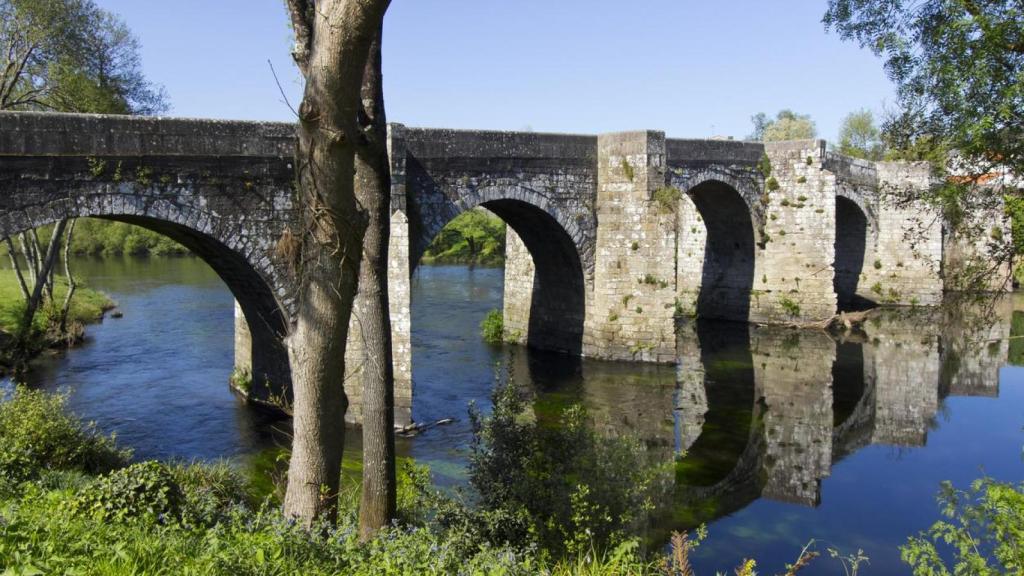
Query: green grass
x=87, y=306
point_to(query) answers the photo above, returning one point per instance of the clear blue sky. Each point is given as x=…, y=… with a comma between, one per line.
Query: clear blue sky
x=692, y=68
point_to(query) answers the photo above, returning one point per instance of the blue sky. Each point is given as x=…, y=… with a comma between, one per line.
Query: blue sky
x=691, y=68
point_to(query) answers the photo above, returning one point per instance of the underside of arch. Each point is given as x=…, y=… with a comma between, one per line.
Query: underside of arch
x=266, y=321
x=727, y=273
x=850, y=254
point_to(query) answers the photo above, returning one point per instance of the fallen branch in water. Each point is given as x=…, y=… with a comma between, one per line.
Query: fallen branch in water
x=417, y=428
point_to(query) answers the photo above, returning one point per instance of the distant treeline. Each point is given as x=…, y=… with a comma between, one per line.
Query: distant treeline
x=476, y=237
x=94, y=237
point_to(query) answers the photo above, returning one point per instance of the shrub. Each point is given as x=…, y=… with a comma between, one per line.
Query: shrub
x=493, y=327
x=141, y=491
x=791, y=307
x=668, y=198
x=556, y=482
x=772, y=184
x=36, y=434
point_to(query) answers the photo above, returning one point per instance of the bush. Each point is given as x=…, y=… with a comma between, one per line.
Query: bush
x=37, y=434
x=141, y=491
x=555, y=481
x=493, y=327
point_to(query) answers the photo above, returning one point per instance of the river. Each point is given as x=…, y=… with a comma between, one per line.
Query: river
x=774, y=437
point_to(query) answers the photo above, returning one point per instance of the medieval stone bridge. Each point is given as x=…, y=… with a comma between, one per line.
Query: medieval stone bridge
x=611, y=237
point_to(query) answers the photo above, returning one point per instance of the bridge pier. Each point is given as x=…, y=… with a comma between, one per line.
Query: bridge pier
x=631, y=315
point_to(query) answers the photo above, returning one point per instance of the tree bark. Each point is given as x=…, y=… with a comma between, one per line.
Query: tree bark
x=45, y=270
x=328, y=259
x=373, y=190
x=72, y=285
x=13, y=254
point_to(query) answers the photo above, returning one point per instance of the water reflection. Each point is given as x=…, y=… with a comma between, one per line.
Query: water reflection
x=764, y=414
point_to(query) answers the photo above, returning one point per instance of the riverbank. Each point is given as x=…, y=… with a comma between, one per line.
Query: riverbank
x=88, y=306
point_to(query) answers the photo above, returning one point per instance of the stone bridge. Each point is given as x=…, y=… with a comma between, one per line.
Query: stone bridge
x=611, y=237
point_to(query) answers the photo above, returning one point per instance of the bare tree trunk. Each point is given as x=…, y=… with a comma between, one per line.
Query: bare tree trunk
x=45, y=270
x=373, y=190
x=72, y=285
x=13, y=253
x=31, y=258
x=332, y=45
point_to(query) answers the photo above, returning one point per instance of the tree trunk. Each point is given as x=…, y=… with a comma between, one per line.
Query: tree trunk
x=45, y=270
x=332, y=45
x=373, y=190
x=13, y=253
x=72, y=285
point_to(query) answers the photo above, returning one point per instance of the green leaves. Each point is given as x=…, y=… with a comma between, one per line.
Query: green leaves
x=983, y=531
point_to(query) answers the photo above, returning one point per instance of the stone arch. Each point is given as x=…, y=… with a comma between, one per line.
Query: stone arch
x=727, y=265
x=433, y=218
x=852, y=241
x=558, y=300
x=236, y=258
x=748, y=183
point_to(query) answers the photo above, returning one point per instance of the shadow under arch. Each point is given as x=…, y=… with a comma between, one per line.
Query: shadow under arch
x=266, y=321
x=558, y=300
x=727, y=274
x=850, y=249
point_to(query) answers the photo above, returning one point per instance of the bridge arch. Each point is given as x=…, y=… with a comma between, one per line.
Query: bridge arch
x=227, y=249
x=854, y=234
x=717, y=228
x=558, y=296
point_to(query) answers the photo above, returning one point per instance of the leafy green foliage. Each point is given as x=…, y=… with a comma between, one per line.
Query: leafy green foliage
x=36, y=434
x=958, y=68
x=860, y=137
x=787, y=125
x=492, y=328
x=555, y=482
x=145, y=490
x=984, y=530
x=474, y=237
x=71, y=56
x=103, y=237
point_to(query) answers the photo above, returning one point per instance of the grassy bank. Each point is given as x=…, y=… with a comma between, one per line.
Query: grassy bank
x=476, y=237
x=71, y=502
x=87, y=306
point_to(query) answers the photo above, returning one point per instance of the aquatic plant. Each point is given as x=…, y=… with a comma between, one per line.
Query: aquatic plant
x=492, y=328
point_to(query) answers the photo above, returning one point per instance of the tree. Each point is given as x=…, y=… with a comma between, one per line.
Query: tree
x=67, y=56
x=340, y=156
x=959, y=73
x=71, y=56
x=787, y=125
x=859, y=137
x=379, y=494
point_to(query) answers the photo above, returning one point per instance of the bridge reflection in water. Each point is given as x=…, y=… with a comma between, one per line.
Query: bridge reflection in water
x=765, y=412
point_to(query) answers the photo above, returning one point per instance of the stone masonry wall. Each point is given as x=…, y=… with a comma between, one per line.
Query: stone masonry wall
x=793, y=276
x=908, y=253
x=518, y=294
x=632, y=311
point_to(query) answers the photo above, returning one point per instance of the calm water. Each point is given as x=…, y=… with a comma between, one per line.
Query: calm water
x=774, y=437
